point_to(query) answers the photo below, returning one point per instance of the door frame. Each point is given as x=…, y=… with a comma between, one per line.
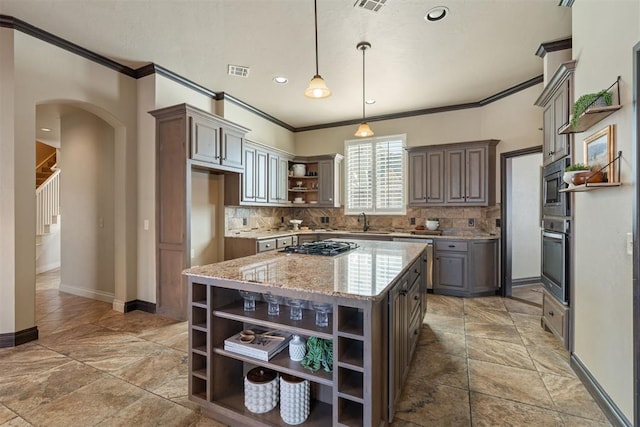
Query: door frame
x=506, y=209
x=636, y=237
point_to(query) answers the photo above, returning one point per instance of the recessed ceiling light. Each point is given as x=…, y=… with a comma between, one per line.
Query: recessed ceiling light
x=45, y=129
x=281, y=80
x=436, y=13
x=370, y=101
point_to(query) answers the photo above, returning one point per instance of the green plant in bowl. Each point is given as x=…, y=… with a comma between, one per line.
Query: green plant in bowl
x=319, y=354
x=585, y=101
x=577, y=167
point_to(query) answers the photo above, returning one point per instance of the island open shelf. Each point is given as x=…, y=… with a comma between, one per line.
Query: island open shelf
x=356, y=392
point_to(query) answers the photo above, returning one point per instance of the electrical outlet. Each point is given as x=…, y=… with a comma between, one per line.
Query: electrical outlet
x=472, y=222
x=498, y=223
x=326, y=219
x=244, y=221
x=412, y=221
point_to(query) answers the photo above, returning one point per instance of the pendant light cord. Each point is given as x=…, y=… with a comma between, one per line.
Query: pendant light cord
x=363, y=85
x=315, y=14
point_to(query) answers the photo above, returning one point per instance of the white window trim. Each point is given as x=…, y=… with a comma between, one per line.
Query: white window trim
x=374, y=139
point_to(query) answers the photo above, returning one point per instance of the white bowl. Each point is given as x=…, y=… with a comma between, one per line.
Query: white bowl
x=432, y=225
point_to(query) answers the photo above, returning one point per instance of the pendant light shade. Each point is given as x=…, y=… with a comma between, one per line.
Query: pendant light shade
x=363, y=130
x=317, y=87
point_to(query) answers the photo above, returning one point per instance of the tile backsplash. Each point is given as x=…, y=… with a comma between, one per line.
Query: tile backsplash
x=454, y=219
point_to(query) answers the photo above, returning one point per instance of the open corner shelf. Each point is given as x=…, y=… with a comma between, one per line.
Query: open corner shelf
x=593, y=114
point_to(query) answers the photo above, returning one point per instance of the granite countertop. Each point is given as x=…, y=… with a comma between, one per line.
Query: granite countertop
x=456, y=234
x=362, y=273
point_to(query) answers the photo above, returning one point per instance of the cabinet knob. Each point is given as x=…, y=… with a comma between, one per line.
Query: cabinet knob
x=550, y=313
x=452, y=246
x=403, y=292
x=416, y=271
x=416, y=298
x=267, y=245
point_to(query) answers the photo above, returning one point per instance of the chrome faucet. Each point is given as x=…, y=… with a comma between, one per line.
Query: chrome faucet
x=365, y=227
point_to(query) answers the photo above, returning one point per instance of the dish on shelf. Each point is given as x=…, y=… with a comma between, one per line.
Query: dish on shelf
x=313, y=202
x=299, y=202
x=299, y=188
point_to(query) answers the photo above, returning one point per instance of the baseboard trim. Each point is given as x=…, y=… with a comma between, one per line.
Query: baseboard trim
x=610, y=409
x=525, y=281
x=47, y=267
x=137, y=304
x=13, y=339
x=87, y=293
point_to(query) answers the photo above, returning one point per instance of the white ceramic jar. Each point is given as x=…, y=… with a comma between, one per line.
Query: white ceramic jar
x=294, y=399
x=297, y=348
x=261, y=390
x=432, y=224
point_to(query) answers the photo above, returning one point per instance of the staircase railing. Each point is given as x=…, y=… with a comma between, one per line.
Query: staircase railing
x=48, y=203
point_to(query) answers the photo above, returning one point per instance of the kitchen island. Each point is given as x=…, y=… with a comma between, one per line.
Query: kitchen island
x=377, y=295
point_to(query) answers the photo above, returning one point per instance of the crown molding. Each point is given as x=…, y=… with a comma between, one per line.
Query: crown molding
x=151, y=68
x=553, y=46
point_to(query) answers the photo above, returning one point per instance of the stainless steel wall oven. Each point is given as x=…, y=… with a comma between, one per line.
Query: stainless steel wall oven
x=555, y=256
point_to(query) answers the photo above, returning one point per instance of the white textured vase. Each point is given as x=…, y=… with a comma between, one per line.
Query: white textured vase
x=294, y=399
x=261, y=392
x=297, y=348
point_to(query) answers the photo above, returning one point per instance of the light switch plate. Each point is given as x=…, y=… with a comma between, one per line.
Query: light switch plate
x=629, y=244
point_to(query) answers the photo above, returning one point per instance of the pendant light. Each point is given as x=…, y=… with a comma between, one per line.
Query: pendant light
x=317, y=87
x=363, y=130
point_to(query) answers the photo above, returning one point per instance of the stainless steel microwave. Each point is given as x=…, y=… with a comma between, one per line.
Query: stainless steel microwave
x=554, y=202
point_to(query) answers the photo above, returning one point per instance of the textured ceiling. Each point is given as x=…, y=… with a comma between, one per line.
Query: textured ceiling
x=481, y=48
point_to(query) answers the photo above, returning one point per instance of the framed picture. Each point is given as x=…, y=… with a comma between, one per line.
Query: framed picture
x=599, y=151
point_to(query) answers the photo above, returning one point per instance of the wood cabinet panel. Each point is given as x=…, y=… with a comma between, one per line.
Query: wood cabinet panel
x=231, y=148
x=260, y=177
x=326, y=183
x=186, y=137
x=466, y=268
x=249, y=179
x=460, y=174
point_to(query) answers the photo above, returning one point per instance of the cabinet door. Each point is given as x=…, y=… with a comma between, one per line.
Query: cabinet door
x=205, y=140
x=274, y=178
x=397, y=341
x=451, y=271
x=249, y=178
x=435, y=177
x=548, y=140
x=283, y=179
x=231, y=151
x=476, y=176
x=417, y=178
x=261, y=176
x=561, y=116
x=455, y=172
x=325, y=183
x=483, y=266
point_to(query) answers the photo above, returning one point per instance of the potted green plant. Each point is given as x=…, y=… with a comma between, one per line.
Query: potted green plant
x=571, y=170
x=601, y=98
x=319, y=354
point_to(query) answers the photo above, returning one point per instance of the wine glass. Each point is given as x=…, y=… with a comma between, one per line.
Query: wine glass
x=273, y=304
x=295, y=309
x=249, y=300
x=322, y=313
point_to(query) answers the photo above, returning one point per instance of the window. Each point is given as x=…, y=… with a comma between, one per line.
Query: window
x=375, y=169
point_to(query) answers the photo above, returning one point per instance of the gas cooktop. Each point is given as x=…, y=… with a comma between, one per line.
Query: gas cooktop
x=325, y=247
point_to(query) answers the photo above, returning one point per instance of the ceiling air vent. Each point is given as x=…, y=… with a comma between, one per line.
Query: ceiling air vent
x=372, y=5
x=238, y=70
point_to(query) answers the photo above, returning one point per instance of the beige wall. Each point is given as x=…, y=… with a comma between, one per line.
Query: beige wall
x=87, y=202
x=43, y=73
x=207, y=217
x=603, y=298
x=514, y=120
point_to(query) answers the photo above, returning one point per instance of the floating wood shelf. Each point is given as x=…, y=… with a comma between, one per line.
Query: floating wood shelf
x=589, y=118
x=590, y=187
x=593, y=114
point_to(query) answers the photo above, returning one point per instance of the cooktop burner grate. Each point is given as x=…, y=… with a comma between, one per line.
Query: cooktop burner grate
x=326, y=248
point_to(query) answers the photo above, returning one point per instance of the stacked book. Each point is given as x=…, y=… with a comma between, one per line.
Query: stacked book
x=263, y=346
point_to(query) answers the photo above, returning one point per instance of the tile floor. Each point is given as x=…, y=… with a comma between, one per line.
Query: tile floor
x=528, y=293
x=480, y=362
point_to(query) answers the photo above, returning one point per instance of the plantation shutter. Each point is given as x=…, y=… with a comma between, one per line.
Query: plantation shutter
x=375, y=170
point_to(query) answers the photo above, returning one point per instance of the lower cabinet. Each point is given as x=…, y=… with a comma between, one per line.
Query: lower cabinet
x=405, y=317
x=555, y=317
x=466, y=267
x=238, y=247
